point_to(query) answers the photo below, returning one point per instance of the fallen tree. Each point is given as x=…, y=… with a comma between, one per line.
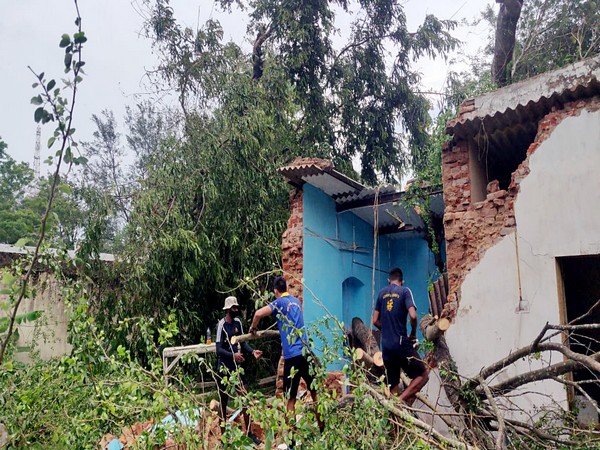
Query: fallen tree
x=488, y=403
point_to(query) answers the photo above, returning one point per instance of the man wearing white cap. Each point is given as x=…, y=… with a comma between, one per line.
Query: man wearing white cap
x=230, y=356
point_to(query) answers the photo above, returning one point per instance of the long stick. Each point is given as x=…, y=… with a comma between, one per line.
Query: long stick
x=250, y=336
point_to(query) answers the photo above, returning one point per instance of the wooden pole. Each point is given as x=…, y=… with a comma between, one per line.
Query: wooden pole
x=250, y=337
x=201, y=349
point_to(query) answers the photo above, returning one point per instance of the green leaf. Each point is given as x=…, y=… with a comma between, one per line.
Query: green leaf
x=51, y=84
x=66, y=188
x=34, y=85
x=37, y=100
x=22, y=242
x=68, y=60
x=68, y=156
x=51, y=141
x=4, y=324
x=64, y=41
x=33, y=315
x=79, y=38
x=8, y=279
x=38, y=114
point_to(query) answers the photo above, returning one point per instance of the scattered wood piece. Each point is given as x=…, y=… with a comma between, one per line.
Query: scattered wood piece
x=376, y=359
x=433, y=328
x=432, y=303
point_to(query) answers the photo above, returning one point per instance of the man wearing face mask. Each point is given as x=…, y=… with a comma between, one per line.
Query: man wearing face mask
x=231, y=356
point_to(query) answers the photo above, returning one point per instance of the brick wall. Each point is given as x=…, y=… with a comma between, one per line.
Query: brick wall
x=472, y=228
x=292, y=245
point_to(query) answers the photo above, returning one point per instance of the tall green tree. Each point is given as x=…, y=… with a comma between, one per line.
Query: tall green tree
x=554, y=33
x=15, y=178
x=357, y=101
x=549, y=34
x=211, y=208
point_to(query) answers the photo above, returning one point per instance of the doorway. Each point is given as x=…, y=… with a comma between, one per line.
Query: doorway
x=581, y=290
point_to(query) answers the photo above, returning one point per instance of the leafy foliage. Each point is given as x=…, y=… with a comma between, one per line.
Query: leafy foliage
x=554, y=33
x=187, y=243
x=358, y=101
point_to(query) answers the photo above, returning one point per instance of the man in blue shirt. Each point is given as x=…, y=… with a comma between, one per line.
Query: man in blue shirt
x=287, y=309
x=394, y=303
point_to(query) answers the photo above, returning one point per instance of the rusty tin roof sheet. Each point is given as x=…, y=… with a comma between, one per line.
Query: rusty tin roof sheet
x=529, y=99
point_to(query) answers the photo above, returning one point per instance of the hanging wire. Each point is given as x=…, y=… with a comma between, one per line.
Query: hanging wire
x=375, y=238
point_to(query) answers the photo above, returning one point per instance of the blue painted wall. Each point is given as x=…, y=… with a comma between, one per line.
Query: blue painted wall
x=338, y=261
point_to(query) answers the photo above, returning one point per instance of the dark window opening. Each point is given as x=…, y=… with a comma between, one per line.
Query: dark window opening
x=496, y=154
x=581, y=283
x=354, y=302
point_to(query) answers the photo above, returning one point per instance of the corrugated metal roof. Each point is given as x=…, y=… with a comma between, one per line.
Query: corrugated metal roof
x=345, y=192
x=528, y=100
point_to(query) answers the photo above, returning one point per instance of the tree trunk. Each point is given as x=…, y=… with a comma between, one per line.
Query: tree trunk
x=250, y=336
x=364, y=336
x=506, y=29
x=440, y=358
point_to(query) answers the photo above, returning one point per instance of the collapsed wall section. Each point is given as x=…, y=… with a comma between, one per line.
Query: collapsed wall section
x=473, y=225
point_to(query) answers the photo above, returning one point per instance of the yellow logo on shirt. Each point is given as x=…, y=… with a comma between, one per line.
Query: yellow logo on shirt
x=390, y=304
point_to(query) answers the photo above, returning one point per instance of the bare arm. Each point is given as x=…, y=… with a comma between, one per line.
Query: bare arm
x=412, y=312
x=376, y=320
x=259, y=314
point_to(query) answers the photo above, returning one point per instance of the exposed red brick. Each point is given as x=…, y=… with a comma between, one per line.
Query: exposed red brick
x=472, y=228
x=292, y=244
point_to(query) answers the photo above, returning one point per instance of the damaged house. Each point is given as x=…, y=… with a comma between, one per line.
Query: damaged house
x=521, y=223
x=342, y=239
x=522, y=227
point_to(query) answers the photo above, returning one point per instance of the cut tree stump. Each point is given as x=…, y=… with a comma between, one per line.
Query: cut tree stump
x=375, y=360
x=367, y=348
x=433, y=328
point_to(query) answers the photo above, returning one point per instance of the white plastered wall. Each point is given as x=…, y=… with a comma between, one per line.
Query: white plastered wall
x=47, y=335
x=557, y=213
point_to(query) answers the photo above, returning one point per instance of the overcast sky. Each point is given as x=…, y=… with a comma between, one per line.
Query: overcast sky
x=117, y=55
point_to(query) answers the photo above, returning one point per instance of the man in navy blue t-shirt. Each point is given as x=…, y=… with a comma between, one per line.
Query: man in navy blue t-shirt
x=394, y=304
x=230, y=357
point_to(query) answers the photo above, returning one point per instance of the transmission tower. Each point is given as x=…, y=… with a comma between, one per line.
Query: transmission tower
x=36, y=154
